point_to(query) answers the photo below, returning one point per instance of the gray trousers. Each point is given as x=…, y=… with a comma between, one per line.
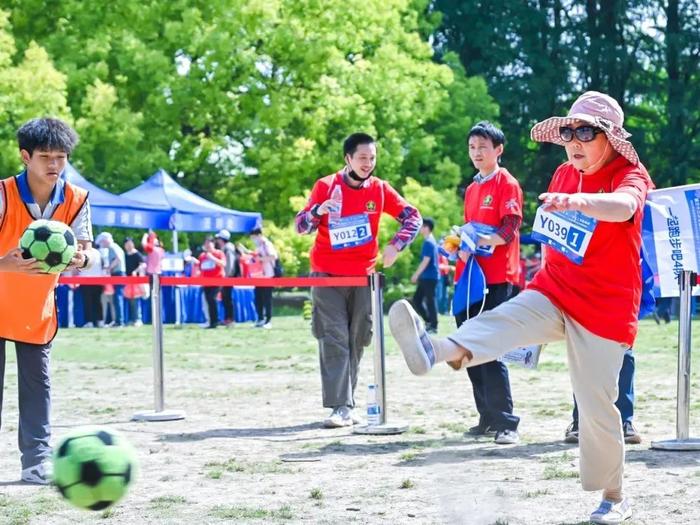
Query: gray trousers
x=342, y=323
x=34, y=387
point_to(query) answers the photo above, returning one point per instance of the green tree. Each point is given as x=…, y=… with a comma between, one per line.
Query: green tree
x=247, y=102
x=30, y=86
x=537, y=56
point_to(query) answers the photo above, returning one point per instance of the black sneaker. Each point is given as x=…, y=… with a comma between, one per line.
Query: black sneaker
x=571, y=434
x=632, y=437
x=481, y=430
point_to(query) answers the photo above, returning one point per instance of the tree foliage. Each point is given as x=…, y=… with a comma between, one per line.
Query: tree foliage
x=248, y=101
x=537, y=56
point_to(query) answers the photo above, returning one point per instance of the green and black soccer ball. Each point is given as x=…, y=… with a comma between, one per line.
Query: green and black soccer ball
x=93, y=467
x=51, y=243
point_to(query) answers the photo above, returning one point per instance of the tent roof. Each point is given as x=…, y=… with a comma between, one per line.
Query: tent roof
x=192, y=212
x=109, y=209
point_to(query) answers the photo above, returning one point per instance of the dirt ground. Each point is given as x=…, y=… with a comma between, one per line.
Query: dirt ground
x=251, y=449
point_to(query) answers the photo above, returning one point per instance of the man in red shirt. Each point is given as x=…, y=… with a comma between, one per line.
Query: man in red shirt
x=587, y=293
x=344, y=209
x=211, y=264
x=495, y=200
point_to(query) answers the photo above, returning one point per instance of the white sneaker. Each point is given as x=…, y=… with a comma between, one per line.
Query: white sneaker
x=408, y=330
x=88, y=325
x=507, y=437
x=259, y=324
x=355, y=419
x=138, y=322
x=267, y=325
x=40, y=474
x=610, y=513
x=340, y=417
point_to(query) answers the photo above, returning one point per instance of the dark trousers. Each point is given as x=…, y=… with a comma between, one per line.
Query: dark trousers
x=34, y=388
x=134, y=309
x=625, y=396
x=92, y=308
x=263, y=303
x=210, y=293
x=490, y=381
x=425, y=303
x=442, y=293
x=341, y=321
x=227, y=299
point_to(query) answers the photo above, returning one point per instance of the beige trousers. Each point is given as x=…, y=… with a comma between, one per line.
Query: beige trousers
x=594, y=366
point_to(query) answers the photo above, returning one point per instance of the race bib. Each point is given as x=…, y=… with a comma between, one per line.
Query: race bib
x=350, y=231
x=568, y=232
x=471, y=232
x=208, y=264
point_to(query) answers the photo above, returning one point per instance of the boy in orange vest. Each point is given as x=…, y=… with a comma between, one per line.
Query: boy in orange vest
x=27, y=304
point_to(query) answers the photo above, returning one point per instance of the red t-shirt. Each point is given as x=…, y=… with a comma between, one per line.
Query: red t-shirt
x=372, y=198
x=488, y=203
x=603, y=292
x=209, y=268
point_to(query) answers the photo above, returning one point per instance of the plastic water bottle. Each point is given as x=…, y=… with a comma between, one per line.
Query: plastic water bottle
x=373, y=410
x=336, y=210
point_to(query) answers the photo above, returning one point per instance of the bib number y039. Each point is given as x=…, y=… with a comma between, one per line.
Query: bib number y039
x=568, y=232
x=350, y=231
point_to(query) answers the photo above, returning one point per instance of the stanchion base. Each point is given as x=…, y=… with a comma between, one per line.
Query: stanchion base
x=385, y=429
x=677, y=444
x=152, y=415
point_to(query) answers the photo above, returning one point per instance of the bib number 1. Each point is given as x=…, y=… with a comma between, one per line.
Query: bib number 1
x=567, y=232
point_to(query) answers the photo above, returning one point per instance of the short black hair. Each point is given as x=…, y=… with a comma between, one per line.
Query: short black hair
x=350, y=144
x=256, y=231
x=486, y=130
x=429, y=222
x=47, y=134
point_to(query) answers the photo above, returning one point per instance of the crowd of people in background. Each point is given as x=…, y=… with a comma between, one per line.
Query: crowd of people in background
x=115, y=305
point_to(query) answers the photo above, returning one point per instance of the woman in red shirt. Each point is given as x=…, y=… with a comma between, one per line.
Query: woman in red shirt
x=211, y=264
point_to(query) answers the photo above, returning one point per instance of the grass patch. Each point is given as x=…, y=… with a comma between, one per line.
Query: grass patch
x=216, y=469
x=409, y=457
x=167, y=501
x=248, y=513
x=316, y=494
x=537, y=493
x=555, y=472
x=407, y=484
x=457, y=428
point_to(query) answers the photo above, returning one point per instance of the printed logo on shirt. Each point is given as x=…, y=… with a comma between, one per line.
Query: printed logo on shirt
x=487, y=201
x=512, y=204
x=371, y=206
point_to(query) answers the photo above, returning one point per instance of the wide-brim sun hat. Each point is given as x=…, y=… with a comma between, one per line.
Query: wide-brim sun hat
x=594, y=108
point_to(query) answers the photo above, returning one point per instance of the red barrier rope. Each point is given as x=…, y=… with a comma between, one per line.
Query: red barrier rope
x=277, y=282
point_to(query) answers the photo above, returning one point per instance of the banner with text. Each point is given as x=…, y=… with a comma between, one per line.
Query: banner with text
x=671, y=235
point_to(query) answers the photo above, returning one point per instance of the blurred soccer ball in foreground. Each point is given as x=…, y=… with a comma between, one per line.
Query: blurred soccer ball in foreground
x=93, y=467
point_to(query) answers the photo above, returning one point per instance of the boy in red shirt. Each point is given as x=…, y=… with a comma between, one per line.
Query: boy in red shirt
x=496, y=200
x=587, y=293
x=344, y=209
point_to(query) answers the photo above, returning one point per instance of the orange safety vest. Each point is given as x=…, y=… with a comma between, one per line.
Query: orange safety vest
x=27, y=301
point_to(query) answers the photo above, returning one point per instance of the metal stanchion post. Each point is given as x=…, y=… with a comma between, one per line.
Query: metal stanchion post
x=376, y=282
x=683, y=440
x=159, y=414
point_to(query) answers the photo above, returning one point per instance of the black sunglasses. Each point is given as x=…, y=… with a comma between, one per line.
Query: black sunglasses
x=582, y=133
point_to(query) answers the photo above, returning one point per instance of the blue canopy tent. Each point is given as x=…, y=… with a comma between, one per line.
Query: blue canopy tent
x=108, y=209
x=190, y=212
